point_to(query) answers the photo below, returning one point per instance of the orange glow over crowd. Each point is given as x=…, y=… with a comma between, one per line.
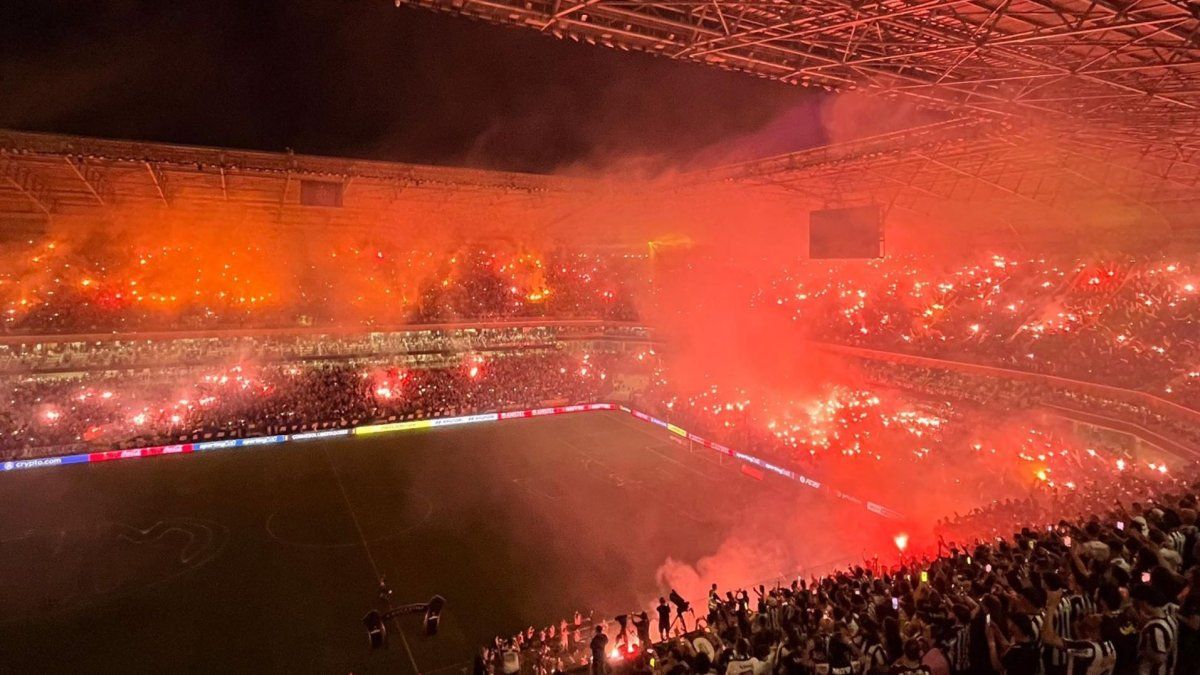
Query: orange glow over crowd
x=1114, y=320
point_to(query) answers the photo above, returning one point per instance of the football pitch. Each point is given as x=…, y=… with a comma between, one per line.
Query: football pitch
x=265, y=559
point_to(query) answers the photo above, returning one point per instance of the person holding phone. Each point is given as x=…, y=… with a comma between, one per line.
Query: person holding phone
x=664, y=619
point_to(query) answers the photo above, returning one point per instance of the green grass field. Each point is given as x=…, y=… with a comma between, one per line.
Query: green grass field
x=252, y=559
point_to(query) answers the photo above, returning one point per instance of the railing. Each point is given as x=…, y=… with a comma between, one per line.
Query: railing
x=289, y=331
x=296, y=344
x=1124, y=426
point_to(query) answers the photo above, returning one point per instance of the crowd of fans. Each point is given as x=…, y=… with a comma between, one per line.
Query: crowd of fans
x=203, y=280
x=915, y=428
x=1095, y=581
x=153, y=407
x=1115, y=320
x=1001, y=393
x=1118, y=320
x=834, y=421
x=50, y=355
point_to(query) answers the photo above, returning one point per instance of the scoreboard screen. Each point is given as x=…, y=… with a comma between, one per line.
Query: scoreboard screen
x=853, y=232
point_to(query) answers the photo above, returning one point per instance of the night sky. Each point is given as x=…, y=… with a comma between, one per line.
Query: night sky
x=366, y=79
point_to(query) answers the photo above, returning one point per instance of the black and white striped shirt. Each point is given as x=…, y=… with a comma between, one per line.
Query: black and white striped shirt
x=1036, y=620
x=1090, y=658
x=1158, y=644
x=1070, y=610
x=958, y=650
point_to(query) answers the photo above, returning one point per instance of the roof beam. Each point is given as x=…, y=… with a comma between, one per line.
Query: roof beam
x=160, y=181
x=27, y=183
x=90, y=177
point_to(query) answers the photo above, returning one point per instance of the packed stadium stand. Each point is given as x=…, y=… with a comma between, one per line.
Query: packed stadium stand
x=637, y=397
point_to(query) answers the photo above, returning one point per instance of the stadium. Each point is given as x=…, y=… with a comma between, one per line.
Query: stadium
x=738, y=338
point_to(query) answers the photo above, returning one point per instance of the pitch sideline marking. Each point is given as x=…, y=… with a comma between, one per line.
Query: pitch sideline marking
x=367, y=548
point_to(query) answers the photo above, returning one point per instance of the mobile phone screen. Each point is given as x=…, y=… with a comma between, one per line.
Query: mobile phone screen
x=1145, y=577
x=895, y=603
x=924, y=576
x=1120, y=526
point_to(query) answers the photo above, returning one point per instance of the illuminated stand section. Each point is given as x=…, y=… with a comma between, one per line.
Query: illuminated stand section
x=188, y=448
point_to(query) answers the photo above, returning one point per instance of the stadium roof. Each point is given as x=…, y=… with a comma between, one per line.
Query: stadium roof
x=1022, y=181
x=66, y=171
x=1054, y=107
x=69, y=181
x=43, y=175
x=1056, y=110
x=1116, y=70
x=1020, y=178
